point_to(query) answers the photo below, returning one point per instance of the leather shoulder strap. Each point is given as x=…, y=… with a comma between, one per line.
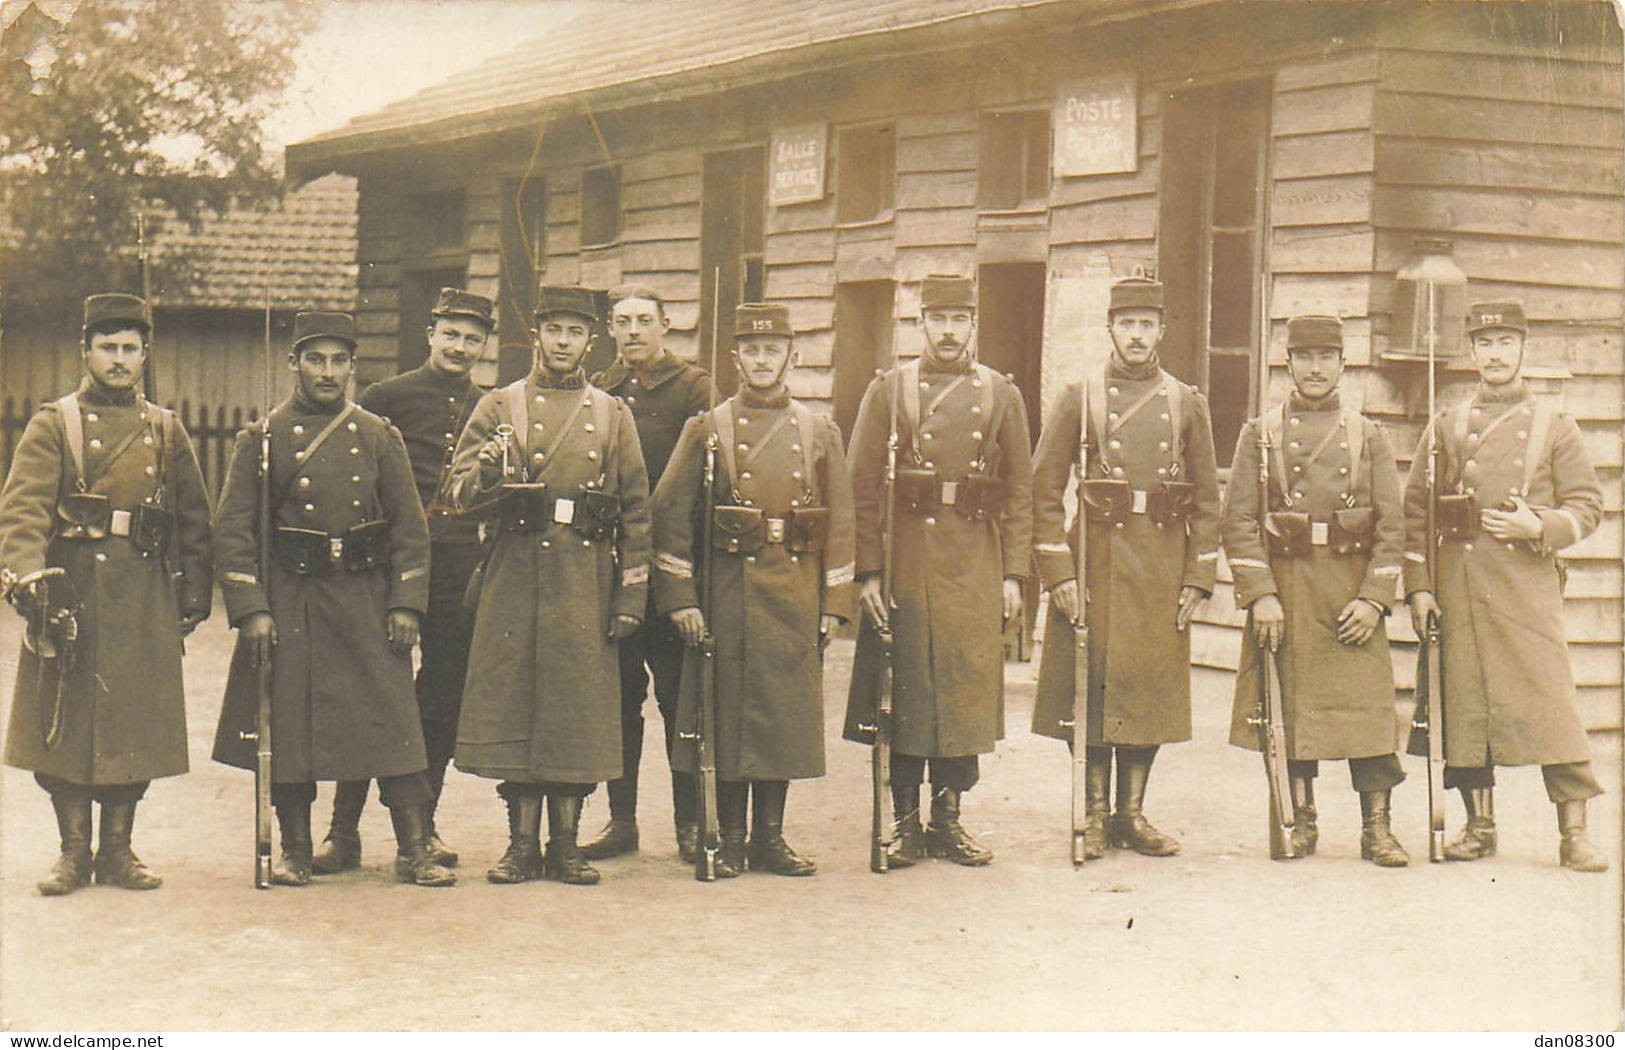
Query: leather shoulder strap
x=73, y=429
x=518, y=417
x=606, y=422
x=1176, y=422
x=722, y=418
x=1535, y=454
x=1354, y=425
x=1274, y=424
x=908, y=379
x=1097, y=408
x=807, y=425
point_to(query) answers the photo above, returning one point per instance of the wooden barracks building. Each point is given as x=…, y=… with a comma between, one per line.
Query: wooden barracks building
x=1263, y=159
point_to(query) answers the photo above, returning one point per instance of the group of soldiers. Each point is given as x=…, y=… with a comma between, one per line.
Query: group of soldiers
x=556, y=545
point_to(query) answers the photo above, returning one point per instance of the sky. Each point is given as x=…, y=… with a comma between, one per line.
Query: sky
x=368, y=53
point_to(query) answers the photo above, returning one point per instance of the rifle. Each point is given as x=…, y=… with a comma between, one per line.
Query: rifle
x=883, y=818
x=705, y=762
x=260, y=737
x=149, y=381
x=1428, y=718
x=1080, y=641
x=1267, y=718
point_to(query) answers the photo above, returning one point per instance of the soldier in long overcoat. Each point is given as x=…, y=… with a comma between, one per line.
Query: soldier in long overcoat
x=1515, y=487
x=430, y=405
x=663, y=393
x=338, y=609
x=105, y=509
x=1152, y=496
x=961, y=553
x=778, y=576
x=567, y=577
x=1318, y=574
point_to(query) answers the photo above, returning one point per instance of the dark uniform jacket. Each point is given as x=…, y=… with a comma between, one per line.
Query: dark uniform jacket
x=1338, y=699
x=1139, y=662
x=430, y=409
x=124, y=715
x=542, y=701
x=1509, y=690
x=767, y=599
x=343, y=706
x=948, y=655
x=663, y=397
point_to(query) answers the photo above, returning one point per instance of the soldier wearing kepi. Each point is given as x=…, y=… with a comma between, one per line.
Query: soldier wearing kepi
x=782, y=568
x=663, y=393
x=567, y=578
x=963, y=546
x=1152, y=503
x=1319, y=574
x=341, y=607
x=429, y=406
x=104, y=550
x=1516, y=487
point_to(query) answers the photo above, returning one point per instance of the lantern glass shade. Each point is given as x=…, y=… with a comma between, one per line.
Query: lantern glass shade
x=1431, y=276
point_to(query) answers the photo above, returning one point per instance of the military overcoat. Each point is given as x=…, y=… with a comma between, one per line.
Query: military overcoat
x=948, y=569
x=342, y=701
x=430, y=409
x=124, y=713
x=542, y=701
x=1338, y=700
x=766, y=604
x=1154, y=429
x=1509, y=689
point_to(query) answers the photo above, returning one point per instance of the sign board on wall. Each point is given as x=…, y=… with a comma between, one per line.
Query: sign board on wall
x=796, y=167
x=1097, y=126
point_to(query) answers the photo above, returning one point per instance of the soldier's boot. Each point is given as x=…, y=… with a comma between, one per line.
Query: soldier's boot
x=768, y=851
x=439, y=759
x=733, y=802
x=685, y=824
x=620, y=835
x=341, y=849
x=1129, y=828
x=72, y=869
x=946, y=838
x=908, y=842
x=294, y=868
x=1576, y=850
x=562, y=860
x=414, y=861
x=1478, y=839
x=1305, y=832
x=1097, y=807
x=116, y=863
x=523, y=859
x=1377, y=841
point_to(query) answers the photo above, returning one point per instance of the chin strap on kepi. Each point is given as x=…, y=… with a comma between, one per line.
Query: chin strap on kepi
x=48, y=603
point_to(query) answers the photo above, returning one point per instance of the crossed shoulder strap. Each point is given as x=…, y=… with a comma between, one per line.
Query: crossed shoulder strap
x=73, y=428
x=1352, y=424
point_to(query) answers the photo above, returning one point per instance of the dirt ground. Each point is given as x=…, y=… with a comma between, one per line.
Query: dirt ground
x=1218, y=937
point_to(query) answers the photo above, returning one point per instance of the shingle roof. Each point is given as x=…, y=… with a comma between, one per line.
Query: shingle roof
x=639, y=46
x=304, y=247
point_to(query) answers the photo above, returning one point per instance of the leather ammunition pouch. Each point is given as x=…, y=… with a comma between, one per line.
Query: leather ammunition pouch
x=1171, y=501
x=807, y=530
x=1291, y=533
x=1108, y=500
x=524, y=505
x=85, y=516
x=978, y=496
x=309, y=552
x=738, y=530
x=595, y=514
x=1457, y=517
x=152, y=529
x=918, y=491
x=1351, y=530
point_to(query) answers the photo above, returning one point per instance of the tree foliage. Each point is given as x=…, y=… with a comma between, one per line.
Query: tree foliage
x=145, y=107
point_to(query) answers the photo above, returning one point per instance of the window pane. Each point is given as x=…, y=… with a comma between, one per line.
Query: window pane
x=1230, y=310
x=600, y=206
x=999, y=158
x=1235, y=164
x=1227, y=386
x=865, y=173
x=1037, y=145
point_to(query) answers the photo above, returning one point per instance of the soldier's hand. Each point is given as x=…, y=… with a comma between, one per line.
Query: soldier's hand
x=690, y=624
x=190, y=621
x=1012, y=600
x=490, y=458
x=1423, y=606
x=403, y=629
x=259, y=630
x=1269, y=622
x=826, y=627
x=872, y=604
x=1189, y=599
x=1509, y=526
x=1357, y=622
x=1065, y=597
x=622, y=626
